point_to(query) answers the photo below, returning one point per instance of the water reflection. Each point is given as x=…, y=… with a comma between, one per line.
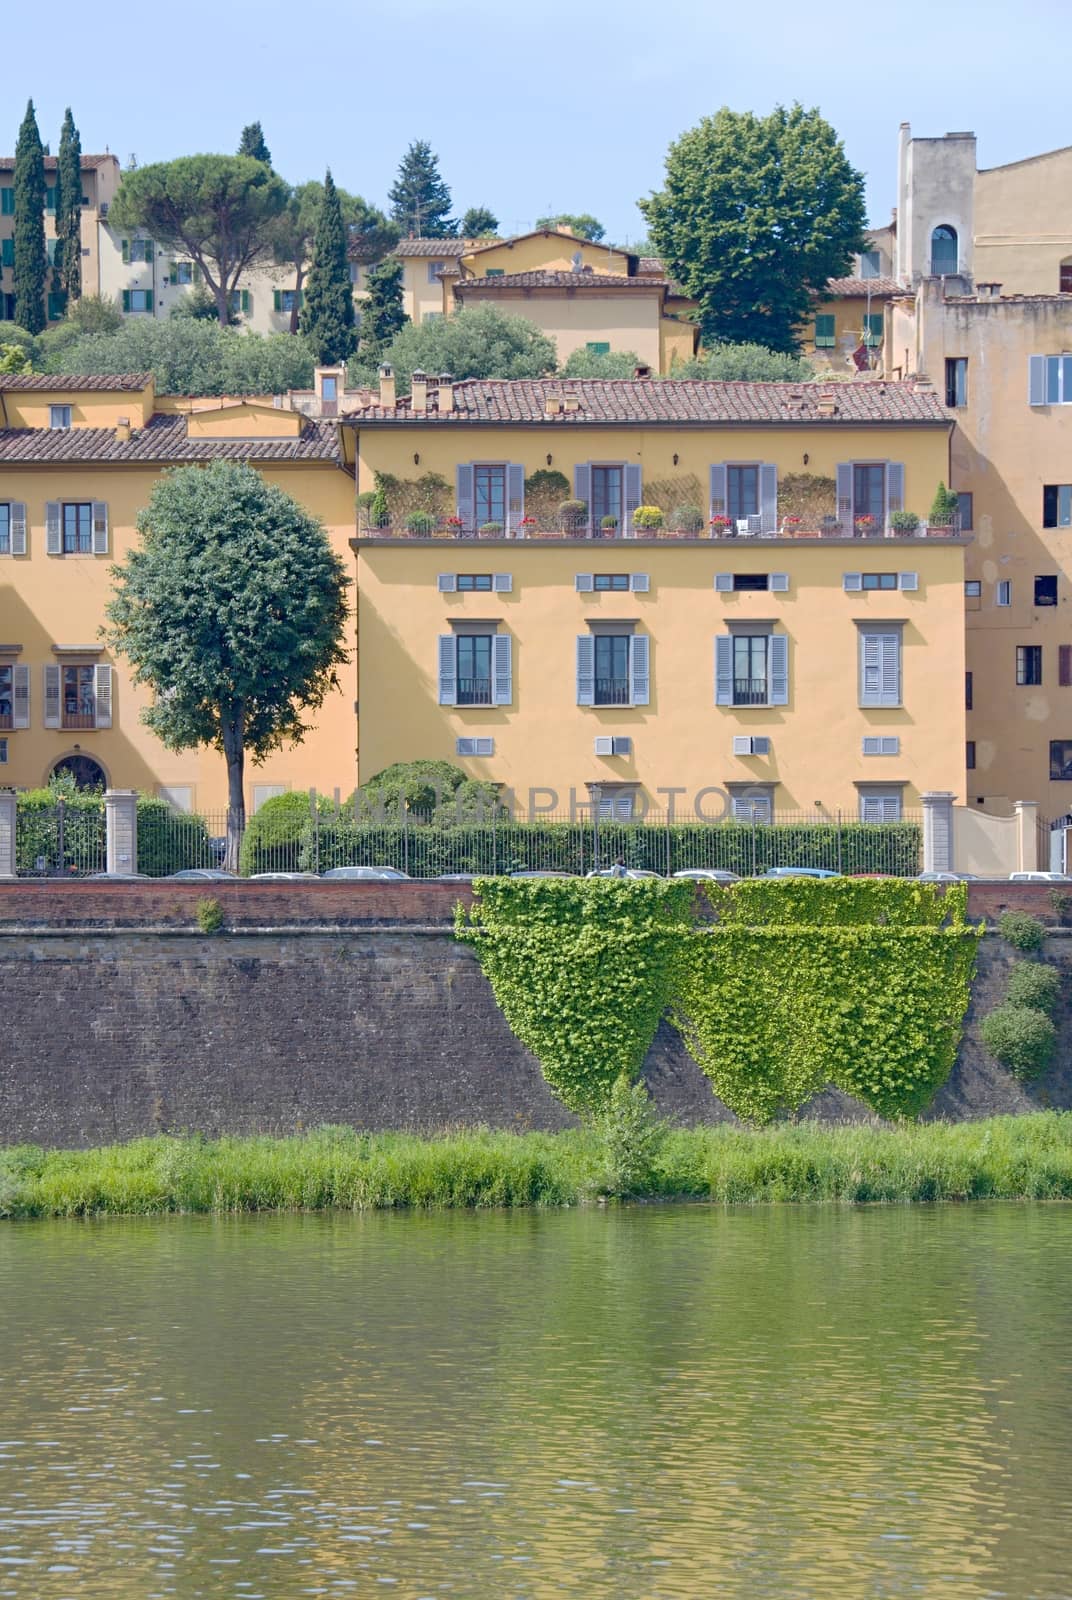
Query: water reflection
x=801, y=1404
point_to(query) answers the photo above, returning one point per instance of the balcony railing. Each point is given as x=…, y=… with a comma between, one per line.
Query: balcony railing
x=750, y=691
x=612, y=692
x=7, y=721
x=550, y=529
x=474, y=691
x=79, y=720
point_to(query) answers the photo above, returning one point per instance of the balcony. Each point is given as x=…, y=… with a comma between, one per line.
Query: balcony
x=750, y=692
x=550, y=529
x=79, y=719
x=474, y=691
x=612, y=692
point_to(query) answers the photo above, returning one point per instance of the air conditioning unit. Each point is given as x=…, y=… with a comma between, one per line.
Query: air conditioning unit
x=104, y=208
x=606, y=746
x=748, y=744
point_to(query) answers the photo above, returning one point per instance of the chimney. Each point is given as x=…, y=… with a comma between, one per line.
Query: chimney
x=827, y=405
x=446, y=393
x=418, y=394
x=387, y=386
x=989, y=291
x=571, y=404
x=122, y=429
x=642, y=371
x=552, y=405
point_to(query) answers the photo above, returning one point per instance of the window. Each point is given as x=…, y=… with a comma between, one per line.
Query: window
x=956, y=381
x=880, y=666
x=966, y=510
x=329, y=389
x=474, y=582
x=137, y=300
x=874, y=328
x=880, y=805
x=434, y=269
x=7, y=201
x=141, y=250
x=489, y=487
x=744, y=582
x=287, y=300
x=495, y=272
x=1046, y=591
x=1049, y=380
x=7, y=308
x=1061, y=760
x=1064, y=666
x=742, y=492
x=5, y=529
x=869, y=491
x=79, y=700
x=599, y=347
x=355, y=273
x=750, y=669
x=825, y=331
x=968, y=686
x=969, y=755
x=612, y=669
x=56, y=305
x=870, y=264
x=881, y=744
x=945, y=255
x=3, y=752
x=1003, y=596
x=50, y=197
x=240, y=301
x=754, y=803
x=973, y=588
x=878, y=580
x=7, y=252
x=7, y=697
x=78, y=529
x=1065, y=281
x=182, y=272
x=474, y=669
x=59, y=417
x=266, y=791
x=610, y=582
x=474, y=747
x=606, y=494
x=1028, y=665
x=1057, y=505
x=618, y=806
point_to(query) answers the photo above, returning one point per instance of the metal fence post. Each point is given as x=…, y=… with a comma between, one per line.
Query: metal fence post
x=668, y=847
x=314, y=808
x=61, y=812
x=754, y=842
x=839, y=840
x=405, y=837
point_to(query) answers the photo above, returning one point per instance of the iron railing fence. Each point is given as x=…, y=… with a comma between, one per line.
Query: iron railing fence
x=845, y=526
x=65, y=839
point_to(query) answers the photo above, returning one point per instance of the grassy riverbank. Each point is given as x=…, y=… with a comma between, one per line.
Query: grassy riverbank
x=1004, y=1158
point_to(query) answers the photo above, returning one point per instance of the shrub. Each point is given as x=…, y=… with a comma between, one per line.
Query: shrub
x=1034, y=985
x=572, y=514
x=1021, y=931
x=630, y=1137
x=904, y=521
x=687, y=519
x=209, y=914
x=1021, y=1038
x=1062, y=905
x=609, y=522
x=420, y=522
x=490, y=530
x=943, y=506
x=647, y=517
x=270, y=842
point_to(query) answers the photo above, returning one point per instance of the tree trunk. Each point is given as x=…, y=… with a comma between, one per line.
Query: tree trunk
x=234, y=752
x=299, y=280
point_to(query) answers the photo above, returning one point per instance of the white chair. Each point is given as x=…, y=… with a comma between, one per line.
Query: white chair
x=744, y=528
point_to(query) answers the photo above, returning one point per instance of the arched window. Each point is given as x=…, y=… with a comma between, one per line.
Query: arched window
x=1065, y=281
x=87, y=773
x=944, y=253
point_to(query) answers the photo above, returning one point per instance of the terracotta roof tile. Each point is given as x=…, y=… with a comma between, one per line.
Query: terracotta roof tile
x=164, y=439
x=434, y=248
x=557, y=280
x=89, y=163
x=844, y=288
x=650, y=266
x=127, y=382
x=642, y=402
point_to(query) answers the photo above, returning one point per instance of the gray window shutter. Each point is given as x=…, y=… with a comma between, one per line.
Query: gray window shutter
x=724, y=582
x=515, y=494
x=640, y=583
x=18, y=527
x=724, y=670
x=103, y=687
x=100, y=528
x=844, y=491
x=631, y=489
x=890, y=744
x=891, y=669
x=586, y=670
x=909, y=581
x=584, y=582
x=20, y=697
x=871, y=808
x=768, y=496
x=52, y=697
x=880, y=669
x=465, y=494
x=53, y=528
x=448, y=671
x=779, y=582
x=446, y=582
x=894, y=487
x=502, y=582
x=852, y=582
x=582, y=482
x=502, y=669
x=872, y=745
x=638, y=670
x=1036, y=380
x=718, y=489
x=778, y=669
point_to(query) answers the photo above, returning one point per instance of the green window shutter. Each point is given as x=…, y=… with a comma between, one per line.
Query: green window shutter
x=301, y=298
x=277, y=300
x=56, y=306
x=50, y=198
x=245, y=300
x=495, y=272
x=124, y=245
x=197, y=273
x=148, y=299
x=599, y=347
x=874, y=328
x=7, y=202
x=825, y=331
x=126, y=299
x=7, y=252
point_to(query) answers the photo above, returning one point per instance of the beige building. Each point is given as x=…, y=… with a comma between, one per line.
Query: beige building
x=100, y=180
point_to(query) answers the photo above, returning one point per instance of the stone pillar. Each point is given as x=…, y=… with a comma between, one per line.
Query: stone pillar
x=121, y=824
x=937, y=830
x=7, y=833
x=1027, y=837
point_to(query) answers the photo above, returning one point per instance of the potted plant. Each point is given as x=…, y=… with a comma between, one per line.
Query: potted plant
x=830, y=527
x=421, y=524
x=525, y=527
x=943, y=513
x=791, y=526
x=721, y=527
x=647, y=519
x=573, y=516
x=455, y=524
x=865, y=526
x=904, y=523
x=609, y=527
x=490, y=530
x=687, y=520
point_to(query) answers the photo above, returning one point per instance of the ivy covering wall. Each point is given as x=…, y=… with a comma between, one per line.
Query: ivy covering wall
x=778, y=989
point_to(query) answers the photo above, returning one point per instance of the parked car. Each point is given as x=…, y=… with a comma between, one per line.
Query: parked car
x=630, y=872
x=281, y=877
x=540, y=872
x=117, y=877
x=459, y=877
x=1039, y=877
x=368, y=874
x=202, y=875
x=947, y=877
x=708, y=874
x=799, y=872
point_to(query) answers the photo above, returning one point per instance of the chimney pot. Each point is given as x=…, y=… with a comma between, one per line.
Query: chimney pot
x=446, y=393
x=419, y=393
x=387, y=386
x=641, y=371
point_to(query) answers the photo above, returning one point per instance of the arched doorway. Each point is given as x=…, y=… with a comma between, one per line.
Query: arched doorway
x=945, y=255
x=87, y=773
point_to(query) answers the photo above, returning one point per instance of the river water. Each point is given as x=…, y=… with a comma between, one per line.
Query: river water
x=794, y=1403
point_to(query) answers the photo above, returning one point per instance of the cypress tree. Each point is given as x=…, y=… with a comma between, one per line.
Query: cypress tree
x=68, y=268
x=419, y=198
x=327, y=319
x=381, y=311
x=252, y=144
x=31, y=259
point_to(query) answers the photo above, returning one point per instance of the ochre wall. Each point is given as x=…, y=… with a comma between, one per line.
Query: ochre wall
x=1023, y=227
x=627, y=321
x=543, y=252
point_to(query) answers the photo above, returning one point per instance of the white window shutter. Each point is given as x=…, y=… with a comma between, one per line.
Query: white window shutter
x=871, y=808
x=584, y=582
x=52, y=697
x=742, y=744
x=100, y=527
x=891, y=744
x=447, y=670
x=894, y=487
x=640, y=583
x=103, y=696
x=1036, y=380
x=604, y=745
x=502, y=669
x=724, y=669
x=778, y=669
x=446, y=582
x=582, y=482
x=779, y=582
x=465, y=495
x=768, y=495
x=852, y=582
x=502, y=582
x=20, y=697
x=53, y=528
x=909, y=581
x=17, y=512
x=640, y=684
x=844, y=491
x=724, y=582
x=718, y=489
x=586, y=669
x=631, y=490
x=515, y=495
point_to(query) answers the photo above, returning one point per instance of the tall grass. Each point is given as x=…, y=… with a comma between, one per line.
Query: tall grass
x=1003, y=1158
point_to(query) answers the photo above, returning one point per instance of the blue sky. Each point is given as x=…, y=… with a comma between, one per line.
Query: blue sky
x=554, y=105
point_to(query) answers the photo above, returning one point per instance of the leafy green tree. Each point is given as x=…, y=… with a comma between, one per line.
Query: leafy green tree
x=420, y=200
x=67, y=272
x=232, y=612
x=219, y=210
x=757, y=213
x=196, y=304
x=367, y=230
x=327, y=318
x=582, y=223
x=252, y=144
x=745, y=363
x=382, y=316
x=478, y=223
x=31, y=259
x=13, y=360
x=600, y=364
x=482, y=343
x=189, y=356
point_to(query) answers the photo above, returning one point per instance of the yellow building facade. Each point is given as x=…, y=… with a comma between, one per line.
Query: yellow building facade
x=742, y=653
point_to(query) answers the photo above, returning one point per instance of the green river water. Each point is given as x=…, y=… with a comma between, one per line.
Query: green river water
x=795, y=1403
